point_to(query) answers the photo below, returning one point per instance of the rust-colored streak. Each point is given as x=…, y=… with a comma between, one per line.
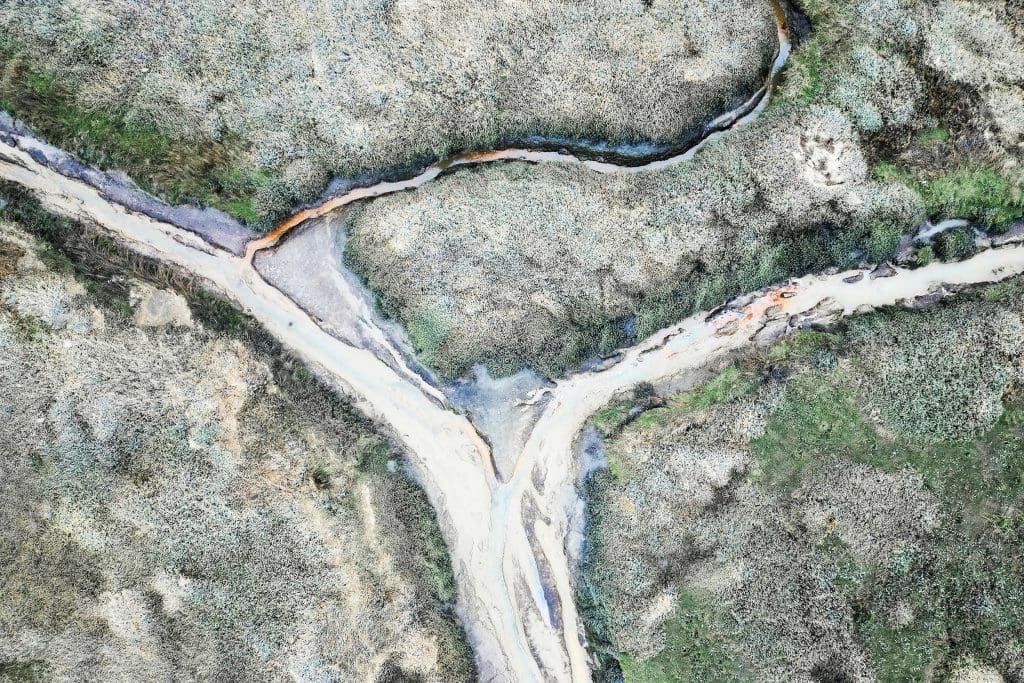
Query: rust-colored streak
x=725, y=122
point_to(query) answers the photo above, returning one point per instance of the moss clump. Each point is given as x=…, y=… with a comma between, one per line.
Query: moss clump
x=979, y=194
x=954, y=245
x=882, y=242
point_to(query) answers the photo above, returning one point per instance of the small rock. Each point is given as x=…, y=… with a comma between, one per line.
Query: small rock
x=883, y=270
x=854, y=278
x=928, y=300
x=728, y=328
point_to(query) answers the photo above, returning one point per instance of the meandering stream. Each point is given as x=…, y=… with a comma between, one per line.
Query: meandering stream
x=509, y=528
x=653, y=158
x=509, y=536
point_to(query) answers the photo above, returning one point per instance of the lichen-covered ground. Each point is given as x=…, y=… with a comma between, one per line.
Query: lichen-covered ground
x=180, y=502
x=889, y=112
x=842, y=506
x=275, y=97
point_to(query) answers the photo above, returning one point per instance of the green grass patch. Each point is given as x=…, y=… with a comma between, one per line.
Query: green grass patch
x=903, y=653
x=428, y=330
x=202, y=171
x=696, y=649
x=978, y=194
x=27, y=329
x=818, y=419
x=933, y=136
x=963, y=595
x=1004, y=290
x=436, y=562
x=964, y=589
x=728, y=385
x=815, y=421
x=611, y=418
x=957, y=593
x=842, y=570
x=806, y=71
x=802, y=347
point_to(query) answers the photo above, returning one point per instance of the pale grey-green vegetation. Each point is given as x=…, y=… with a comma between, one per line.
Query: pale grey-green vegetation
x=179, y=503
x=302, y=91
x=885, y=115
x=542, y=265
x=890, y=111
x=838, y=507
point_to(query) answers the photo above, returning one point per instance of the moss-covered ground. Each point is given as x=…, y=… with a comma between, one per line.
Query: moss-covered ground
x=200, y=171
x=956, y=594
